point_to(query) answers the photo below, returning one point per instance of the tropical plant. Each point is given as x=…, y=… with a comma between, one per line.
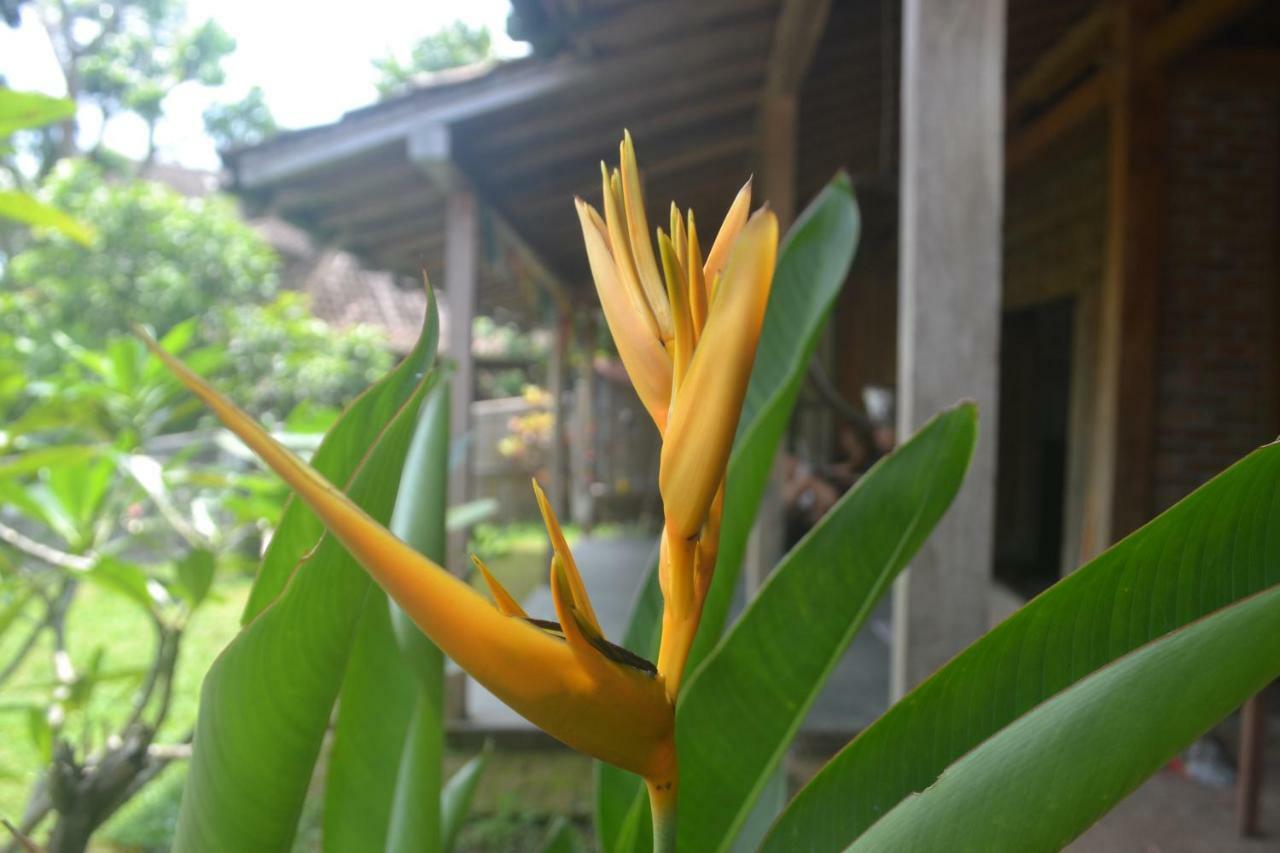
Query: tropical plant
x=24, y=111
x=92, y=495
x=1061, y=696
x=183, y=258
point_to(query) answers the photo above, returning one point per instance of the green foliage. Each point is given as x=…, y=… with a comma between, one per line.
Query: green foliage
x=285, y=356
x=1093, y=743
x=454, y=45
x=168, y=256
x=264, y=710
x=166, y=259
x=741, y=709
x=1209, y=551
x=24, y=110
x=241, y=123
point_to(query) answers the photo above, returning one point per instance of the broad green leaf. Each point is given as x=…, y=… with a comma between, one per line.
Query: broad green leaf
x=337, y=458
x=812, y=266
x=195, y=575
x=22, y=207
x=124, y=579
x=739, y=712
x=1044, y=779
x=31, y=461
x=374, y=707
x=1215, y=547
x=22, y=110
x=416, y=825
x=266, y=701
x=382, y=738
x=421, y=519
x=455, y=799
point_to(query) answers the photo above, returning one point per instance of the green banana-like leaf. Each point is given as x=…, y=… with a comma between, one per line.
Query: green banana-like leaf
x=741, y=709
x=420, y=520
x=455, y=799
x=22, y=110
x=25, y=208
x=265, y=703
x=374, y=707
x=1060, y=767
x=339, y=455
x=1214, y=548
x=812, y=266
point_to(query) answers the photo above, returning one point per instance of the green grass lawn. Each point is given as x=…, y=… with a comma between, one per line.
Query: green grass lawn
x=100, y=619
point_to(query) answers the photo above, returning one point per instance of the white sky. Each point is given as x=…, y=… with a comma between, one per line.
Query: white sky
x=312, y=60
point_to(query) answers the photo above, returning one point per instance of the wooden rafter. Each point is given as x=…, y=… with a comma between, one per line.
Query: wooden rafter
x=1163, y=42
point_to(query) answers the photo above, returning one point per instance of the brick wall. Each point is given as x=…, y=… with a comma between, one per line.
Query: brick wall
x=1217, y=347
x=1055, y=220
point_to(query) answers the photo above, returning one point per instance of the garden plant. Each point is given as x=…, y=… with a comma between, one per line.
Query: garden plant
x=1019, y=743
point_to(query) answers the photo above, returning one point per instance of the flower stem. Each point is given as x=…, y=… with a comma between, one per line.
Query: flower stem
x=662, y=803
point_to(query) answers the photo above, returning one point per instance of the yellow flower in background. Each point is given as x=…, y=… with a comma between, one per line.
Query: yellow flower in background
x=686, y=327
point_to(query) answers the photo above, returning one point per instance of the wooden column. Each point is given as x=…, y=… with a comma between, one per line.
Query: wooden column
x=460, y=282
x=1117, y=495
x=952, y=185
x=796, y=36
x=558, y=386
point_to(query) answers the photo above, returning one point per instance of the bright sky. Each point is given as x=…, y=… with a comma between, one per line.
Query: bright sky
x=312, y=59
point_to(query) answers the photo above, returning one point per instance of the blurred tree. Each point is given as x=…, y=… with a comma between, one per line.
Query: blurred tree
x=454, y=45
x=247, y=121
x=125, y=57
x=160, y=259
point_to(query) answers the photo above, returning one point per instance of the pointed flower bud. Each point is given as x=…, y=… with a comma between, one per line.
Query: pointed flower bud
x=702, y=423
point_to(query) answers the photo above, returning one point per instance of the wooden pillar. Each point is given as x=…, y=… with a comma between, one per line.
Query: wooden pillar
x=558, y=387
x=952, y=186
x=460, y=281
x=796, y=36
x=1117, y=493
x=583, y=458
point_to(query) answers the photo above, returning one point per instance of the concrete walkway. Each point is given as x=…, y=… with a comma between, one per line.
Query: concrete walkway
x=612, y=569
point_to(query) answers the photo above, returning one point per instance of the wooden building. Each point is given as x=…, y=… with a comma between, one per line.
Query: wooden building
x=1071, y=214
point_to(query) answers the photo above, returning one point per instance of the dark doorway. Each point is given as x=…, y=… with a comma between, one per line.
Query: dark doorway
x=1035, y=372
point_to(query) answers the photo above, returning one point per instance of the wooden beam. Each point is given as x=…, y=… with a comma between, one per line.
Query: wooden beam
x=1162, y=43
x=1186, y=27
x=799, y=29
x=795, y=39
x=1070, y=112
x=431, y=149
x=1068, y=59
x=949, y=284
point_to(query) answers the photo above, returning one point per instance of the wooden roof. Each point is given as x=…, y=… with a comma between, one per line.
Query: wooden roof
x=685, y=78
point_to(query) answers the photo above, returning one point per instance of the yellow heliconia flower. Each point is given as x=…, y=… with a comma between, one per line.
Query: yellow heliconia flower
x=688, y=341
x=686, y=328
